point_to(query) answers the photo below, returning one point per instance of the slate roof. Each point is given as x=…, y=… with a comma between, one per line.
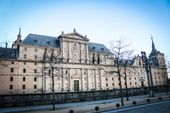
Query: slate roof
x=8, y=53
x=41, y=40
x=96, y=47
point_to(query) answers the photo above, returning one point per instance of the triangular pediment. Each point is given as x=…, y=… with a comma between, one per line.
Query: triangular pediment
x=74, y=35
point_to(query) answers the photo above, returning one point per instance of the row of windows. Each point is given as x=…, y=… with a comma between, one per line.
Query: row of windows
x=24, y=70
x=35, y=56
x=119, y=84
x=23, y=87
x=34, y=49
x=124, y=78
x=23, y=79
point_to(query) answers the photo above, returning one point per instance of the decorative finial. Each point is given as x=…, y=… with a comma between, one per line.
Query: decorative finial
x=19, y=34
x=74, y=30
x=62, y=32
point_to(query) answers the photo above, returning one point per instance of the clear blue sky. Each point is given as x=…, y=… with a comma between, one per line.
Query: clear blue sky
x=100, y=20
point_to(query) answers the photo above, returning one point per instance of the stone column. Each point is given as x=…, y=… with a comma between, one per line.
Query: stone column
x=68, y=51
x=69, y=79
x=81, y=79
x=87, y=53
x=87, y=80
x=100, y=79
x=62, y=80
x=95, y=79
x=80, y=53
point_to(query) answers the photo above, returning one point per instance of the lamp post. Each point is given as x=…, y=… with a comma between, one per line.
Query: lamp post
x=147, y=66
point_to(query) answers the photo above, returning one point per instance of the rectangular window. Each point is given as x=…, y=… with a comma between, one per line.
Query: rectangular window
x=35, y=78
x=35, y=70
x=113, y=84
x=106, y=79
x=23, y=86
x=12, y=62
x=35, y=57
x=11, y=79
x=25, y=56
x=106, y=84
x=35, y=86
x=12, y=70
x=25, y=49
x=11, y=87
x=112, y=78
x=24, y=70
x=35, y=63
x=23, y=79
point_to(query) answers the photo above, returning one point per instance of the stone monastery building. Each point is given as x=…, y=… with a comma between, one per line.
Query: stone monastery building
x=76, y=63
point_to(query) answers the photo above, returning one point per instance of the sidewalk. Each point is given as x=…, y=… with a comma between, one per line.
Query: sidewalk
x=80, y=107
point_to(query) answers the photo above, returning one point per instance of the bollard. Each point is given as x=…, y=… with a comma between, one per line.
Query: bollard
x=71, y=111
x=97, y=108
x=117, y=105
x=134, y=102
x=148, y=100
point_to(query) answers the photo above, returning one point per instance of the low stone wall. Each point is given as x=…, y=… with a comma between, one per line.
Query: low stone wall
x=13, y=100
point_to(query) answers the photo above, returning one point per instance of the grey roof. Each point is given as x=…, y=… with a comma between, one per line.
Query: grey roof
x=96, y=47
x=41, y=40
x=8, y=53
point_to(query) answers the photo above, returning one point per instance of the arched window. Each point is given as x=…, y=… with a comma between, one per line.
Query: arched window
x=93, y=58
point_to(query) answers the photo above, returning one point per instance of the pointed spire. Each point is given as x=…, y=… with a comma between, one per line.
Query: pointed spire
x=19, y=35
x=153, y=46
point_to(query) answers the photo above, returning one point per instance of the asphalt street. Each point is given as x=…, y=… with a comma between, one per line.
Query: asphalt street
x=159, y=107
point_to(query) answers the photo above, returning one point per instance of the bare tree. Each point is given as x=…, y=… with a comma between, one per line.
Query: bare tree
x=119, y=49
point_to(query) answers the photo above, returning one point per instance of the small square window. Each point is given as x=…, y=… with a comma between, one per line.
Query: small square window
x=35, y=57
x=12, y=62
x=25, y=49
x=11, y=87
x=24, y=70
x=35, y=78
x=35, y=70
x=12, y=70
x=35, y=86
x=23, y=79
x=25, y=56
x=23, y=86
x=11, y=79
x=35, y=63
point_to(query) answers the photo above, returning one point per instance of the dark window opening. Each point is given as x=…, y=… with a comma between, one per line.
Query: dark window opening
x=11, y=78
x=23, y=79
x=12, y=70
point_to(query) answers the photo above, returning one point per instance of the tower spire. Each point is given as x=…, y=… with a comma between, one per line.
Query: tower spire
x=153, y=46
x=19, y=35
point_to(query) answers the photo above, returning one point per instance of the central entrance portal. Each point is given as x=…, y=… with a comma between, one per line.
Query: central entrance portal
x=76, y=85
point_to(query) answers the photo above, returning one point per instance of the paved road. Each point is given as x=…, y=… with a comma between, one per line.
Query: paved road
x=160, y=107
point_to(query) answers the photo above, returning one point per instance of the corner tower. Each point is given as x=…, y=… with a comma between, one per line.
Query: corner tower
x=16, y=43
x=156, y=57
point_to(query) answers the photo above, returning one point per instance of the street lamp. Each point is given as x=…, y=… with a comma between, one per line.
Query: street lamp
x=147, y=66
